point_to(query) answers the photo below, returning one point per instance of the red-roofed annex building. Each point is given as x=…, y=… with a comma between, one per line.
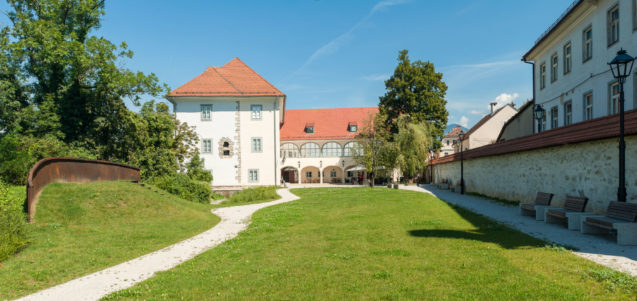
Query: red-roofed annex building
x=247, y=138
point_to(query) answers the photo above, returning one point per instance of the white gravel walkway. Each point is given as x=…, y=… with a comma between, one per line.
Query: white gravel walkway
x=595, y=248
x=122, y=276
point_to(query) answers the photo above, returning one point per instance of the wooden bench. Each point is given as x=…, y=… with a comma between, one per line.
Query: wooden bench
x=542, y=200
x=571, y=213
x=620, y=217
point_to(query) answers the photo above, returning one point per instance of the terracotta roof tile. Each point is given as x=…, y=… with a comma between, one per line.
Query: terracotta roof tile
x=233, y=79
x=454, y=132
x=328, y=123
x=596, y=129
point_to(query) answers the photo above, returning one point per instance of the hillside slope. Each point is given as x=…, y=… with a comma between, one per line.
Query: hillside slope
x=83, y=228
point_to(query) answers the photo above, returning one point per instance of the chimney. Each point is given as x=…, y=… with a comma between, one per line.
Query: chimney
x=492, y=105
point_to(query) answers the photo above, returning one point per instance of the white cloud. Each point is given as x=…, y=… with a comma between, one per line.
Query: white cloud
x=505, y=98
x=376, y=77
x=335, y=44
x=476, y=112
x=464, y=121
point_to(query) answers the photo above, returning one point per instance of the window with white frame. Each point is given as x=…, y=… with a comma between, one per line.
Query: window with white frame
x=333, y=173
x=554, y=117
x=350, y=149
x=253, y=175
x=542, y=76
x=613, y=98
x=332, y=149
x=588, y=106
x=568, y=62
x=256, y=111
x=308, y=174
x=256, y=145
x=206, y=146
x=289, y=150
x=587, y=44
x=206, y=112
x=612, y=25
x=225, y=148
x=568, y=112
x=554, y=67
x=310, y=150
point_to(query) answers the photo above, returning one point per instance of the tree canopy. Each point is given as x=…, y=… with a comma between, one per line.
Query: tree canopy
x=415, y=89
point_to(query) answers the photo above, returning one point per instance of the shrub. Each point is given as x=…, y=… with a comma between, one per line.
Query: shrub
x=182, y=186
x=12, y=223
x=261, y=193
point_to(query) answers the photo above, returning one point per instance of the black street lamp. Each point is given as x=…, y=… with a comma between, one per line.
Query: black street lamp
x=621, y=66
x=539, y=115
x=461, y=137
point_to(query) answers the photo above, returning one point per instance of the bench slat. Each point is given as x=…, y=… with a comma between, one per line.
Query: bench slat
x=543, y=198
x=622, y=211
x=574, y=203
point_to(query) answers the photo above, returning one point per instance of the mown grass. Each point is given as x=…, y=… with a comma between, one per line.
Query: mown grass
x=381, y=244
x=253, y=195
x=83, y=228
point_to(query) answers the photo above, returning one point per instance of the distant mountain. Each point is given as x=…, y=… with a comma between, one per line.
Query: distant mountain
x=453, y=126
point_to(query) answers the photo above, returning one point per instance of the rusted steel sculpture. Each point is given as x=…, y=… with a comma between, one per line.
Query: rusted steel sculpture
x=49, y=170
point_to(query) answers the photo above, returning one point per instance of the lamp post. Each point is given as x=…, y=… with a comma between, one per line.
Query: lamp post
x=461, y=137
x=621, y=66
x=539, y=115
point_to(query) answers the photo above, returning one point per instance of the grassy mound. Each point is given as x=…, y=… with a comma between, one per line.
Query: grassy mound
x=253, y=195
x=83, y=228
x=381, y=244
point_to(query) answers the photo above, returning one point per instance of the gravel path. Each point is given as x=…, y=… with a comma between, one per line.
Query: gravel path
x=596, y=248
x=122, y=276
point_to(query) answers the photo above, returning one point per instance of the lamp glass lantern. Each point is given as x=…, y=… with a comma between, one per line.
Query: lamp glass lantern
x=539, y=112
x=621, y=65
x=461, y=135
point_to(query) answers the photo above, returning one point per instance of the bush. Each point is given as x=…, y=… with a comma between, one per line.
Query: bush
x=182, y=186
x=12, y=223
x=261, y=193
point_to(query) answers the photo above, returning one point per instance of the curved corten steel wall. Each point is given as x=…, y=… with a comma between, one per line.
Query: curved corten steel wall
x=49, y=170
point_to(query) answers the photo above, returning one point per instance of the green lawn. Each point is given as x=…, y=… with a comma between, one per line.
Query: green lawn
x=359, y=243
x=248, y=196
x=83, y=228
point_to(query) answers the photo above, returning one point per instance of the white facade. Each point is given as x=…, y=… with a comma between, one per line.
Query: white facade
x=486, y=131
x=577, y=85
x=231, y=121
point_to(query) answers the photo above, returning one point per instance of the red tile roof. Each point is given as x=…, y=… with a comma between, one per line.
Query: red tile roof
x=454, y=132
x=596, y=129
x=233, y=79
x=328, y=123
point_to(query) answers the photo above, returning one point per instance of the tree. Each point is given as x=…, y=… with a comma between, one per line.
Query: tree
x=413, y=142
x=418, y=90
x=374, y=151
x=52, y=66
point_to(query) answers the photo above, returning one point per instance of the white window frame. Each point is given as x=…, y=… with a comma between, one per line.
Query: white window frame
x=253, y=175
x=257, y=144
x=289, y=150
x=555, y=121
x=333, y=173
x=204, y=143
x=316, y=151
x=613, y=99
x=543, y=75
x=256, y=112
x=588, y=105
x=554, y=67
x=308, y=174
x=568, y=58
x=332, y=149
x=206, y=112
x=568, y=113
x=587, y=44
x=612, y=25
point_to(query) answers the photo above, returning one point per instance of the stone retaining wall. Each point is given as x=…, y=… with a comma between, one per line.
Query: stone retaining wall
x=583, y=169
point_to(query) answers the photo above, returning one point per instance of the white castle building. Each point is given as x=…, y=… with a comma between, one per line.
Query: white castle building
x=240, y=119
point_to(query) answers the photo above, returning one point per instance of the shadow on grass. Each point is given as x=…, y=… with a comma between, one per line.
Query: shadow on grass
x=487, y=231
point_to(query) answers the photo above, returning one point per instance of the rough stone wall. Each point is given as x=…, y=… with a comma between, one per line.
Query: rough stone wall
x=585, y=169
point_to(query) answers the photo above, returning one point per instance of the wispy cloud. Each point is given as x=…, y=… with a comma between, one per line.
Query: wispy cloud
x=476, y=112
x=376, y=77
x=335, y=44
x=505, y=98
x=464, y=121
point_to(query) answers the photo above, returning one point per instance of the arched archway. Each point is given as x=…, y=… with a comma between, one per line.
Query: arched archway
x=355, y=174
x=333, y=174
x=290, y=174
x=310, y=174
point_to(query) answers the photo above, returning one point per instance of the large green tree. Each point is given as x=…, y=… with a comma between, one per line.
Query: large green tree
x=413, y=142
x=60, y=80
x=415, y=89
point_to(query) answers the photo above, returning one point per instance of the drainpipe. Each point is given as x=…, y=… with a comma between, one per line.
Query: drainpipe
x=534, y=100
x=276, y=163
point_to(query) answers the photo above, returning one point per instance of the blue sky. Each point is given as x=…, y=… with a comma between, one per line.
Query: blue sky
x=334, y=53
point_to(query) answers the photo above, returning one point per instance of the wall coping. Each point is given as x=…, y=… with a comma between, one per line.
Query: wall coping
x=591, y=130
